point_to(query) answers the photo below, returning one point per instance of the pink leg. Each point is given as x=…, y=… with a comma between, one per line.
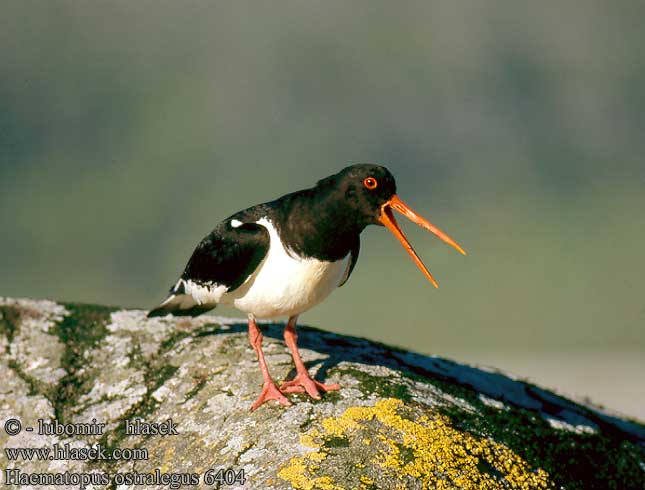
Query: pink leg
x=302, y=382
x=269, y=389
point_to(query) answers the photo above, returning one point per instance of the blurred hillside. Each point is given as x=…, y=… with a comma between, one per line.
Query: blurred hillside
x=129, y=129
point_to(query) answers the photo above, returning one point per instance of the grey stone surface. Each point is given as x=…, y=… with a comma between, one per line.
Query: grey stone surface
x=402, y=420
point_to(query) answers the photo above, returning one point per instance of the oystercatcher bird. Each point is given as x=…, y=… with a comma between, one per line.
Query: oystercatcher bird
x=283, y=257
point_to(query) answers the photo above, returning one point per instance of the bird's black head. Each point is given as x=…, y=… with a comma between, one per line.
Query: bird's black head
x=363, y=188
x=366, y=194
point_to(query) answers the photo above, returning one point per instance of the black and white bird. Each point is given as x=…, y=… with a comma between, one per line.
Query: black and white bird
x=281, y=258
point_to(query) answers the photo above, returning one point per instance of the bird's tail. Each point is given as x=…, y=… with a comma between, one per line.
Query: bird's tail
x=182, y=302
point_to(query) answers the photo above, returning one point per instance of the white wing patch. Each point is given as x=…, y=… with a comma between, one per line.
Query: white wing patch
x=204, y=293
x=235, y=223
x=194, y=295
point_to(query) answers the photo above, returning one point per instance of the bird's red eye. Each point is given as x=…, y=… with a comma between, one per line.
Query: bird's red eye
x=370, y=183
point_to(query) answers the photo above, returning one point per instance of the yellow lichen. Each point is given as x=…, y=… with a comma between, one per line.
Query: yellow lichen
x=296, y=473
x=425, y=448
x=316, y=456
x=309, y=440
x=366, y=480
x=168, y=460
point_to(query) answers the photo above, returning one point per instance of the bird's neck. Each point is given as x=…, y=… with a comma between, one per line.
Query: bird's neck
x=320, y=225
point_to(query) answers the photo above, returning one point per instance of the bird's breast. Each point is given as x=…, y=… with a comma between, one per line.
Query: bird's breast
x=285, y=284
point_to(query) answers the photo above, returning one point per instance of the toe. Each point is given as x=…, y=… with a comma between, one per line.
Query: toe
x=312, y=390
x=292, y=388
x=270, y=392
x=302, y=383
x=323, y=387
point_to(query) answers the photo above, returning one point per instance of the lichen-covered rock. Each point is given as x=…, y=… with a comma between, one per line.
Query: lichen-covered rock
x=402, y=420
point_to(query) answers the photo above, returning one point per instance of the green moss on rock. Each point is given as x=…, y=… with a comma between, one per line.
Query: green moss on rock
x=80, y=330
x=378, y=385
x=9, y=317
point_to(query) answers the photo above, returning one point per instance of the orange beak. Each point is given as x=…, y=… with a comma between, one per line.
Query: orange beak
x=387, y=218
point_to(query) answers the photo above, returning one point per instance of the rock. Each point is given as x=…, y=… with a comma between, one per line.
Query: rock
x=402, y=421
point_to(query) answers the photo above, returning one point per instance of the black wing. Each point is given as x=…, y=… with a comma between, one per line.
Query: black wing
x=353, y=257
x=226, y=257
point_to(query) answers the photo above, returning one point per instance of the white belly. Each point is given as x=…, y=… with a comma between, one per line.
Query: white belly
x=284, y=285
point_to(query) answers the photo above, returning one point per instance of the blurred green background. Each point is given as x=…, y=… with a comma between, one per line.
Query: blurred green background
x=129, y=129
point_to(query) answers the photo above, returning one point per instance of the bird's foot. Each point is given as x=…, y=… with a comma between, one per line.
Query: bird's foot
x=304, y=383
x=270, y=392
